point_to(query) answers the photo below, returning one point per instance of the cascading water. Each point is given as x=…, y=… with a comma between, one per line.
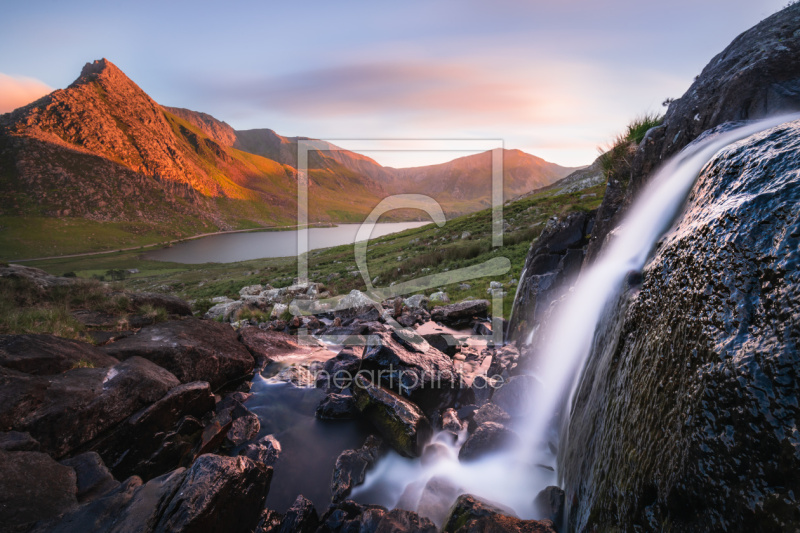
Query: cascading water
x=513, y=478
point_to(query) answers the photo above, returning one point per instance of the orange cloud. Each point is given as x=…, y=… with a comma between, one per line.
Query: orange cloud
x=17, y=91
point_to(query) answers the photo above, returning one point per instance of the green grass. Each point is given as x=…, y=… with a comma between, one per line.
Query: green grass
x=617, y=156
x=423, y=251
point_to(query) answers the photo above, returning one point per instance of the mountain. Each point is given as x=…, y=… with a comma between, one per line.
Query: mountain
x=101, y=153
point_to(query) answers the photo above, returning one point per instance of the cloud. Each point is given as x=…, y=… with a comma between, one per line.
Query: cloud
x=17, y=91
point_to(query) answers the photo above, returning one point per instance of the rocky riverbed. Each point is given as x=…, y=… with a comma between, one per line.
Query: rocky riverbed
x=188, y=424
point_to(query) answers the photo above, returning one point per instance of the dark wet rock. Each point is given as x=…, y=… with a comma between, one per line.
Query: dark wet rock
x=489, y=412
x=33, y=487
x=550, y=504
x=214, y=433
x=406, y=521
x=349, y=516
x=265, y=344
x=265, y=450
x=270, y=521
x=555, y=258
x=757, y=75
x=447, y=344
x=297, y=375
x=451, y=422
x=47, y=354
x=686, y=413
x=351, y=468
x=337, y=407
x=301, y=517
x=101, y=338
x=338, y=372
x=482, y=389
x=96, y=319
x=460, y=314
x=401, y=423
x=488, y=438
x=515, y=397
x=192, y=349
x=217, y=493
x=504, y=362
x=171, y=304
x=159, y=437
x=482, y=328
x=245, y=426
x=67, y=410
x=404, y=362
x=472, y=515
x=93, y=478
x=18, y=441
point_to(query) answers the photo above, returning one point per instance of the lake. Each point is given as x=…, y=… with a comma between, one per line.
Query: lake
x=233, y=247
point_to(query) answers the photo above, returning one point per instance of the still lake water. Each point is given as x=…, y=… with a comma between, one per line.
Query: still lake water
x=233, y=247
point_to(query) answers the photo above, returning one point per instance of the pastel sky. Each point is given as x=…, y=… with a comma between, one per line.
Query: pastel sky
x=556, y=79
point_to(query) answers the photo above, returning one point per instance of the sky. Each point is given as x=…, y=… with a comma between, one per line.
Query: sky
x=555, y=79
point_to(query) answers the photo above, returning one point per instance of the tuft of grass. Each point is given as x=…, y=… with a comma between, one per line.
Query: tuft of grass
x=202, y=305
x=83, y=363
x=54, y=320
x=640, y=125
x=248, y=313
x=156, y=314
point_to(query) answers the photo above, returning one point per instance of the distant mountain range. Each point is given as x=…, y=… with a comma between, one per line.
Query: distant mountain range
x=103, y=150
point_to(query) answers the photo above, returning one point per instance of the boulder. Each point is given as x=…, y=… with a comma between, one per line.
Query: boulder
x=337, y=407
x=265, y=450
x=158, y=437
x=251, y=290
x=192, y=349
x=47, y=354
x=451, y=422
x=487, y=439
x=245, y=426
x=266, y=345
x=217, y=493
x=338, y=372
x=33, y=487
x=401, y=423
x=301, y=517
x=67, y=410
x=270, y=522
x=93, y=478
x=436, y=499
x=549, y=503
x=439, y=297
x=691, y=426
x=472, y=515
x=354, y=304
x=418, y=301
x=18, y=441
x=406, y=363
x=351, y=468
x=405, y=521
x=351, y=516
x=489, y=412
x=37, y=277
x=225, y=311
x=447, y=344
x=460, y=314
x=171, y=304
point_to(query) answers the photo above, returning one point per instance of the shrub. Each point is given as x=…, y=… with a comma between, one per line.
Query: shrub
x=202, y=305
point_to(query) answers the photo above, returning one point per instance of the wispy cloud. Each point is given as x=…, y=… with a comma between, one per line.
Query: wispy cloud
x=17, y=91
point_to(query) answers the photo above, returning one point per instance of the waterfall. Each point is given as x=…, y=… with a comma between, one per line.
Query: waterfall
x=514, y=478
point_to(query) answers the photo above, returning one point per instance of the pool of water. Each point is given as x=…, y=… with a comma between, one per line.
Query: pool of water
x=233, y=247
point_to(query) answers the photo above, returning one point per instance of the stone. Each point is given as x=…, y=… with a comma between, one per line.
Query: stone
x=406, y=521
x=406, y=363
x=338, y=372
x=192, y=349
x=447, y=344
x=158, y=437
x=466, y=235
x=436, y=499
x=489, y=412
x=93, y=478
x=337, y=407
x=490, y=437
x=705, y=356
x=67, y=410
x=251, y=290
x=549, y=503
x=451, y=422
x=301, y=517
x=36, y=276
x=171, y=304
x=225, y=311
x=270, y=522
x=401, y=423
x=460, y=314
x=33, y=487
x=245, y=426
x=351, y=516
x=351, y=468
x=354, y=304
x=439, y=297
x=217, y=493
x=418, y=301
x=44, y=355
x=472, y=515
x=265, y=450
x=18, y=441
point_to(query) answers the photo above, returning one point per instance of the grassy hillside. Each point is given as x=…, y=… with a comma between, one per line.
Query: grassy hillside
x=402, y=256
